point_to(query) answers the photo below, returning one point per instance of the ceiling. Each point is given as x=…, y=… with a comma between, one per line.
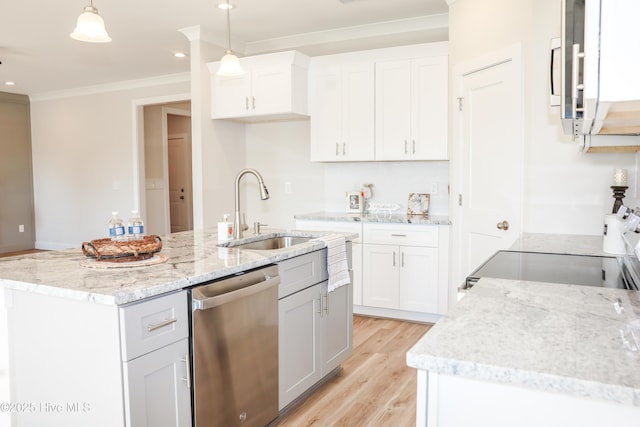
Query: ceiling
x=39, y=56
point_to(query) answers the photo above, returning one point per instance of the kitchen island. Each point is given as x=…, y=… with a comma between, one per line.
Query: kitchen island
x=531, y=354
x=100, y=346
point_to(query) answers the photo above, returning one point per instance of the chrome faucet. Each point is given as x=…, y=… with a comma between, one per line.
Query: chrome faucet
x=264, y=195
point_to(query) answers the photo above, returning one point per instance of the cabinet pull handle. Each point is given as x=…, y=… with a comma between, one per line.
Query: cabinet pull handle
x=405, y=147
x=337, y=149
x=413, y=144
x=394, y=258
x=246, y=103
x=326, y=304
x=187, y=378
x=319, y=310
x=398, y=235
x=162, y=324
x=344, y=148
x=253, y=102
x=402, y=261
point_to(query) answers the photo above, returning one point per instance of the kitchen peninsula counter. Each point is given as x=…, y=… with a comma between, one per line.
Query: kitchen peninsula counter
x=193, y=257
x=530, y=353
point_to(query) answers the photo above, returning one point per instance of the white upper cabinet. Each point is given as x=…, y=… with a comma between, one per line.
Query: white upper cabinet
x=274, y=87
x=341, y=105
x=382, y=104
x=411, y=109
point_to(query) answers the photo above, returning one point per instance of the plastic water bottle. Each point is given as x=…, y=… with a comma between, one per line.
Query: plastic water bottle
x=136, y=226
x=116, y=227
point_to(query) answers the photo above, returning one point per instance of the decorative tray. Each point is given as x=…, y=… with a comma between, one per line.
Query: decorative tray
x=132, y=250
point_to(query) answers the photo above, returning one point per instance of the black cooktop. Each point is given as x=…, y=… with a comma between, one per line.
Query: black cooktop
x=585, y=270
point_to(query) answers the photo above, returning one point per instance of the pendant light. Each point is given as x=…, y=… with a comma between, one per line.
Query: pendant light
x=229, y=64
x=90, y=27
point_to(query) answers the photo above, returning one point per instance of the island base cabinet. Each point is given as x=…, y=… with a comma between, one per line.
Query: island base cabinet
x=147, y=380
x=315, y=337
x=65, y=365
x=452, y=401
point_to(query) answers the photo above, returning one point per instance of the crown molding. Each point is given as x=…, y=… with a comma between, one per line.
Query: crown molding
x=111, y=87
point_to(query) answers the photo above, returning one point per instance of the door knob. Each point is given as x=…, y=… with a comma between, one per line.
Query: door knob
x=182, y=198
x=504, y=225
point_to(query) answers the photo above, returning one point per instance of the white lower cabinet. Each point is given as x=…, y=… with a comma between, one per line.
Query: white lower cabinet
x=157, y=388
x=155, y=354
x=315, y=333
x=401, y=277
x=401, y=268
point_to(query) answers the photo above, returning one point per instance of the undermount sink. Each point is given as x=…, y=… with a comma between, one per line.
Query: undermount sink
x=271, y=243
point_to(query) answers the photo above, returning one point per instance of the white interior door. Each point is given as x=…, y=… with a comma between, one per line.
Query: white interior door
x=491, y=129
x=180, y=180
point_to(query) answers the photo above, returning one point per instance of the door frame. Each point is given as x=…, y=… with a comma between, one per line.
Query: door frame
x=511, y=53
x=137, y=120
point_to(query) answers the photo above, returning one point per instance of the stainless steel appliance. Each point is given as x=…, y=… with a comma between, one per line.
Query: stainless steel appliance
x=596, y=78
x=609, y=272
x=235, y=350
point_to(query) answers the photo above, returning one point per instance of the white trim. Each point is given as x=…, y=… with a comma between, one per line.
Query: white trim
x=111, y=87
x=412, y=316
x=400, y=26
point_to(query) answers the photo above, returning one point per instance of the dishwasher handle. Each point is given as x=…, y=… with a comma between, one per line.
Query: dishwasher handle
x=250, y=289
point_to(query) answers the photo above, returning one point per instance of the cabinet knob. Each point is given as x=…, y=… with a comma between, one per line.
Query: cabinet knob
x=504, y=225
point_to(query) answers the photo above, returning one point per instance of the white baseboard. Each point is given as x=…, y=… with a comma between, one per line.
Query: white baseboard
x=396, y=314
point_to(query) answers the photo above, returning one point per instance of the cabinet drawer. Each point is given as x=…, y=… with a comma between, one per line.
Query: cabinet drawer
x=149, y=325
x=301, y=272
x=393, y=234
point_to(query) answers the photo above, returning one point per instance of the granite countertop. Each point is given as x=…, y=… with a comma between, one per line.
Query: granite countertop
x=550, y=337
x=546, y=336
x=193, y=257
x=378, y=217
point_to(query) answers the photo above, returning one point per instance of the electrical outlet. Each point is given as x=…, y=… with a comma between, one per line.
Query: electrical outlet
x=21, y=228
x=434, y=188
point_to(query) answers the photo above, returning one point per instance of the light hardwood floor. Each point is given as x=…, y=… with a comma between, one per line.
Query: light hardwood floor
x=375, y=388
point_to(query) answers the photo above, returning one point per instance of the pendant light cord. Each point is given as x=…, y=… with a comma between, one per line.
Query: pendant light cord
x=228, y=28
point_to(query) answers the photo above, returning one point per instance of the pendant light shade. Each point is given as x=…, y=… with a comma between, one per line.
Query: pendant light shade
x=90, y=27
x=229, y=64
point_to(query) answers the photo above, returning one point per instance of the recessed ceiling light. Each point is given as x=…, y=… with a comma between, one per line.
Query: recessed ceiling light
x=180, y=54
x=10, y=83
x=225, y=6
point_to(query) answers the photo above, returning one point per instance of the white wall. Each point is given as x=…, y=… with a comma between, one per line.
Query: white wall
x=280, y=152
x=564, y=191
x=84, y=163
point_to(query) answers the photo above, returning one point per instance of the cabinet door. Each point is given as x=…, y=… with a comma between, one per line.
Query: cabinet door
x=157, y=389
x=393, y=110
x=337, y=323
x=298, y=341
x=429, y=94
x=358, y=112
x=270, y=90
x=325, y=107
x=230, y=96
x=380, y=279
x=419, y=279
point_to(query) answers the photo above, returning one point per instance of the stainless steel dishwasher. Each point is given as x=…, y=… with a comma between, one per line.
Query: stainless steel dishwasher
x=235, y=350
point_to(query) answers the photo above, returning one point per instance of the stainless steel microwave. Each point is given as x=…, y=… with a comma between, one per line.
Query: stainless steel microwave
x=595, y=69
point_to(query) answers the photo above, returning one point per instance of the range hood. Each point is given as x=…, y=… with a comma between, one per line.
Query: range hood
x=599, y=69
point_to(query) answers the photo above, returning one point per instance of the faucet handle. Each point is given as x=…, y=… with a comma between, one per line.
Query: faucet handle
x=256, y=227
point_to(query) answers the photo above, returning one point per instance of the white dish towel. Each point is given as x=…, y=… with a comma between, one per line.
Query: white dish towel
x=337, y=265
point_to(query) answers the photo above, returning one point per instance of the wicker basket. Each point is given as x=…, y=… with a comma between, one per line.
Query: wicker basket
x=133, y=250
